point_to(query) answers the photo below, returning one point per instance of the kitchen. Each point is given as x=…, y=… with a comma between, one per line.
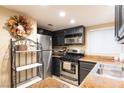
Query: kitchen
x=71, y=49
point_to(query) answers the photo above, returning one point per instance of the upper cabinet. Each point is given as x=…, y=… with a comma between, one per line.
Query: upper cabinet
x=119, y=23
x=75, y=35
x=58, y=38
x=44, y=32
x=74, y=31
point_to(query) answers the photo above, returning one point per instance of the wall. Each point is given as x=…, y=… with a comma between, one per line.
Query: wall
x=105, y=25
x=4, y=46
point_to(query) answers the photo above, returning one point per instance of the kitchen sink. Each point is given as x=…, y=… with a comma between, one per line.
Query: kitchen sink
x=110, y=70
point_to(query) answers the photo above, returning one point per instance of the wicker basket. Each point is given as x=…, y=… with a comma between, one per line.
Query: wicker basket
x=21, y=47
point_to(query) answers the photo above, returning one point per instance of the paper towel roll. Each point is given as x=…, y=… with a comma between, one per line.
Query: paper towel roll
x=67, y=65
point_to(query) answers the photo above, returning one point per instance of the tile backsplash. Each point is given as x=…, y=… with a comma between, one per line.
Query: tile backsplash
x=81, y=47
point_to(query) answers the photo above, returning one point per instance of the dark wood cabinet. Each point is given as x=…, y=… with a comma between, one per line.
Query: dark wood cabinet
x=83, y=73
x=84, y=69
x=60, y=35
x=74, y=31
x=44, y=31
x=58, y=38
x=68, y=32
x=75, y=36
x=54, y=39
x=56, y=66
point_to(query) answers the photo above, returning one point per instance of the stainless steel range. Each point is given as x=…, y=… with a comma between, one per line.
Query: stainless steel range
x=69, y=66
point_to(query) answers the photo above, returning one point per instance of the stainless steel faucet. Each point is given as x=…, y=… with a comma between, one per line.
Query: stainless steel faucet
x=100, y=69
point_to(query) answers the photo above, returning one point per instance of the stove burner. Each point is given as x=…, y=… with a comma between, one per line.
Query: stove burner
x=71, y=57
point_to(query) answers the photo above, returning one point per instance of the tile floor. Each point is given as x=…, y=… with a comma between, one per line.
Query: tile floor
x=70, y=85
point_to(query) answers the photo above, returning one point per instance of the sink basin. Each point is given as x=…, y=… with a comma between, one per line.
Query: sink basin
x=110, y=70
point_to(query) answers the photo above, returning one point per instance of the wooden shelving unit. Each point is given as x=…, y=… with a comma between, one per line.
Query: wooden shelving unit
x=28, y=67
x=28, y=51
x=29, y=82
x=17, y=68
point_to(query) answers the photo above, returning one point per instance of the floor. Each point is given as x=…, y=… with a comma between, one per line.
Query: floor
x=70, y=85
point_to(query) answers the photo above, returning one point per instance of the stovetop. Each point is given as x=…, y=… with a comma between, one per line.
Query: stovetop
x=71, y=57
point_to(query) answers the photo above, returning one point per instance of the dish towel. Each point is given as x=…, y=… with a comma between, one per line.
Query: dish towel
x=67, y=65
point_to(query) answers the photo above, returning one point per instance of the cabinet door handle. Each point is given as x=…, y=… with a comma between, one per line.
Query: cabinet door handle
x=86, y=69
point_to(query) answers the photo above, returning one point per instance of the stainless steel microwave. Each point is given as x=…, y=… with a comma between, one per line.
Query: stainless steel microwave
x=73, y=40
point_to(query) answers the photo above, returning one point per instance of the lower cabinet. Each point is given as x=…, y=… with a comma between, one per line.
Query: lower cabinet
x=56, y=66
x=84, y=69
x=83, y=73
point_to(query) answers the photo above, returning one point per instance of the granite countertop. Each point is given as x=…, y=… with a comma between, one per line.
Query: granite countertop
x=93, y=80
x=92, y=58
x=97, y=59
x=56, y=56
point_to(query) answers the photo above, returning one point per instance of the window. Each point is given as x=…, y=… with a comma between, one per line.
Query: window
x=102, y=42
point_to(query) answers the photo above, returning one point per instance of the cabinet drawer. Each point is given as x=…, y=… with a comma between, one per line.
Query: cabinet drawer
x=87, y=65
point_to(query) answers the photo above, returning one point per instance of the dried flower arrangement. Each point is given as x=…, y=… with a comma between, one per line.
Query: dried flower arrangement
x=19, y=26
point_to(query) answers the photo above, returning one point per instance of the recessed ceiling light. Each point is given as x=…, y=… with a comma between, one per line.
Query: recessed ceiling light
x=62, y=13
x=72, y=21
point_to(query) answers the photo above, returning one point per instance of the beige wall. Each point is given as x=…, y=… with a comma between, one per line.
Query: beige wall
x=105, y=25
x=4, y=46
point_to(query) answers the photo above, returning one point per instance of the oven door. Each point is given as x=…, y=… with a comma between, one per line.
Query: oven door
x=68, y=67
x=69, y=72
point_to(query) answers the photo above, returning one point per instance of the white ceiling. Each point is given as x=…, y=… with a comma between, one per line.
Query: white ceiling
x=86, y=15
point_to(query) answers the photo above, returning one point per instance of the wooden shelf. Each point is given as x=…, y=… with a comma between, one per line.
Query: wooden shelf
x=29, y=82
x=28, y=66
x=28, y=51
